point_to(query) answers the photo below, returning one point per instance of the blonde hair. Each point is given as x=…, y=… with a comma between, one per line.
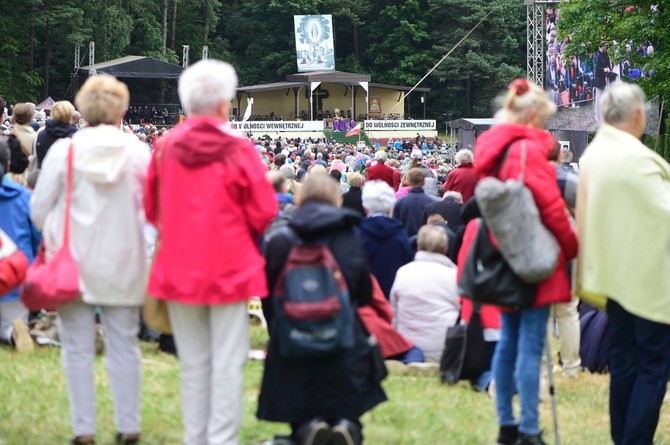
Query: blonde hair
x=432, y=238
x=526, y=103
x=319, y=188
x=355, y=179
x=62, y=111
x=102, y=100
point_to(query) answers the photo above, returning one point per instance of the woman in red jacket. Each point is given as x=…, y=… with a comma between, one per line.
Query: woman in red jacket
x=524, y=114
x=208, y=197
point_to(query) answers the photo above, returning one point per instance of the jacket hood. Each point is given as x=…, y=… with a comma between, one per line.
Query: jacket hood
x=9, y=189
x=58, y=129
x=101, y=152
x=381, y=227
x=198, y=141
x=491, y=144
x=315, y=219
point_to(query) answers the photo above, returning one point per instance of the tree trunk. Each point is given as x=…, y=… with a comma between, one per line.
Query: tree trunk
x=165, y=12
x=357, y=43
x=174, y=23
x=468, y=95
x=48, y=45
x=31, y=35
x=207, y=21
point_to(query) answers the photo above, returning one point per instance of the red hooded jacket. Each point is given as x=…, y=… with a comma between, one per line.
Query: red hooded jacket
x=540, y=178
x=207, y=194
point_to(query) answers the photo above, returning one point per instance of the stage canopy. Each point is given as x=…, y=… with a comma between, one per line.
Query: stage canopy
x=137, y=67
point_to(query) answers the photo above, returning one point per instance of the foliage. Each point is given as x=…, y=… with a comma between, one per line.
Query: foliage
x=588, y=22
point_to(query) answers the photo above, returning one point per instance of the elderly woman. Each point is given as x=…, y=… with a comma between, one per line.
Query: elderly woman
x=384, y=238
x=463, y=178
x=107, y=243
x=627, y=262
x=323, y=399
x=205, y=175
x=59, y=126
x=424, y=295
x=519, y=144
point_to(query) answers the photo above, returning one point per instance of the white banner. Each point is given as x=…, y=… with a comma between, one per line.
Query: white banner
x=419, y=125
x=314, y=42
x=278, y=126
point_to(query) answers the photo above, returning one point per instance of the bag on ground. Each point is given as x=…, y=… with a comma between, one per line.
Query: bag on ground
x=464, y=356
x=314, y=316
x=596, y=339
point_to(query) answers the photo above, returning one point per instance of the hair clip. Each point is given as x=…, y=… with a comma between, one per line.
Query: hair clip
x=519, y=86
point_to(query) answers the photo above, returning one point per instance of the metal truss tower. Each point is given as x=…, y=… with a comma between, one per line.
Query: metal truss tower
x=535, y=39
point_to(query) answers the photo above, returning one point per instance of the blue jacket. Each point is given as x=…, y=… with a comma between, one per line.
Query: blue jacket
x=15, y=222
x=387, y=245
x=409, y=209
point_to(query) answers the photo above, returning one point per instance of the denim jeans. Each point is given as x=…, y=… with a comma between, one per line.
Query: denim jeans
x=640, y=369
x=516, y=364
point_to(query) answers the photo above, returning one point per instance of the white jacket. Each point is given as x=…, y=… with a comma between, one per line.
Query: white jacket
x=107, y=215
x=424, y=298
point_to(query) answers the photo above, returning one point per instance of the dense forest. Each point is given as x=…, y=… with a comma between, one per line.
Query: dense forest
x=395, y=41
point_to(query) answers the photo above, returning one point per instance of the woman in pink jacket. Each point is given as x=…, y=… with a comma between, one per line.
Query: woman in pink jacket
x=208, y=197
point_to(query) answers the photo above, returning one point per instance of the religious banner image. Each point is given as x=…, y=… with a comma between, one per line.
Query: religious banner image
x=314, y=42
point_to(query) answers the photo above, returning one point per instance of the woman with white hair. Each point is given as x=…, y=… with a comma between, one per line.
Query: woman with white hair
x=463, y=178
x=384, y=238
x=424, y=295
x=208, y=177
x=519, y=144
x=627, y=262
x=107, y=243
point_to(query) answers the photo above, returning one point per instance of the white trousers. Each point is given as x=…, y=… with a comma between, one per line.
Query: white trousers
x=567, y=319
x=598, y=93
x=212, y=345
x=10, y=311
x=77, y=334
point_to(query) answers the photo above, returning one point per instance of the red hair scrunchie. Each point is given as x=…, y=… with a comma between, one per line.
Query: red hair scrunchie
x=519, y=86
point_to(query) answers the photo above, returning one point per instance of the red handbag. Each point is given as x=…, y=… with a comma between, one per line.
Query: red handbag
x=13, y=264
x=52, y=283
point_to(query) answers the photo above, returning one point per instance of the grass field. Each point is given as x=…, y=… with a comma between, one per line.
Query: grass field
x=34, y=408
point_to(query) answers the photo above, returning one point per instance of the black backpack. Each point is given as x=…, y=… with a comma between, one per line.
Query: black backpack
x=596, y=339
x=464, y=356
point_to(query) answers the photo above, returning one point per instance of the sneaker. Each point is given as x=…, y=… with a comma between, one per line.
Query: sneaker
x=82, y=440
x=314, y=432
x=346, y=432
x=508, y=435
x=21, y=338
x=530, y=439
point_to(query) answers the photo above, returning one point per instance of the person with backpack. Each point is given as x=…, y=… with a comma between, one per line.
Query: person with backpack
x=320, y=374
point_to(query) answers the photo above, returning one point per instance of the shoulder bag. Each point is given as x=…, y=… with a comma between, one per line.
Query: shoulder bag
x=52, y=283
x=510, y=212
x=464, y=355
x=487, y=278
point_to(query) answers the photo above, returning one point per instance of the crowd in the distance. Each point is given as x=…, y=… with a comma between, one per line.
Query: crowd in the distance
x=394, y=226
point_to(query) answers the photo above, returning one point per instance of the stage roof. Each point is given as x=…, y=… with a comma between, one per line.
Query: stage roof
x=271, y=86
x=137, y=67
x=472, y=124
x=328, y=76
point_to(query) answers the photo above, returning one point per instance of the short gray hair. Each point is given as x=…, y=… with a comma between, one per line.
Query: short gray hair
x=381, y=156
x=205, y=85
x=463, y=156
x=378, y=197
x=453, y=196
x=620, y=102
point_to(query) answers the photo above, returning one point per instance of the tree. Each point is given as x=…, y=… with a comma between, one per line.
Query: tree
x=486, y=61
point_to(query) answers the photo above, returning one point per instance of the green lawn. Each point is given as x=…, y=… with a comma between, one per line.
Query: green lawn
x=34, y=408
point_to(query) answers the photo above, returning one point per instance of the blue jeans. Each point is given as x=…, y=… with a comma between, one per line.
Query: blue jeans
x=640, y=369
x=518, y=357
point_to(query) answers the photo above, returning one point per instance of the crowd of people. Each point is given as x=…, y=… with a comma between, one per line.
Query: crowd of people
x=397, y=222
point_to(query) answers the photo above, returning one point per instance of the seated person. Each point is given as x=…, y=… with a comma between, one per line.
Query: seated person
x=424, y=295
